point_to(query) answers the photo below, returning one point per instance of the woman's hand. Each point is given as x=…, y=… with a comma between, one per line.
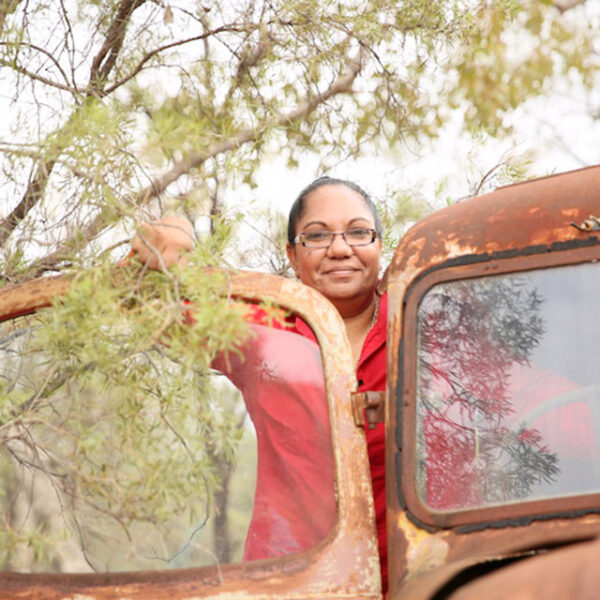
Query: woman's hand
x=163, y=243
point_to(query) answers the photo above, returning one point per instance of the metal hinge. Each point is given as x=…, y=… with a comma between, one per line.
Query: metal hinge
x=368, y=407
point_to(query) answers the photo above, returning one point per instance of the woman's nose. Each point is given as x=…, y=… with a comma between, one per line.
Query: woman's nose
x=339, y=247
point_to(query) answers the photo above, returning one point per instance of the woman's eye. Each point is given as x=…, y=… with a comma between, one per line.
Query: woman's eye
x=358, y=232
x=315, y=236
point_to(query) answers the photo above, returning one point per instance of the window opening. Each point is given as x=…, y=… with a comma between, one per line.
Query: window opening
x=220, y=465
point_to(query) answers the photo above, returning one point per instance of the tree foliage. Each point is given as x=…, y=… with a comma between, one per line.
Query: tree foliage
x=121, y=109
x=114, y=430
x=471, y=334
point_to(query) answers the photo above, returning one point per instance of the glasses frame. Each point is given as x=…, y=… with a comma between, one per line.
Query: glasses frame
x=300, y=238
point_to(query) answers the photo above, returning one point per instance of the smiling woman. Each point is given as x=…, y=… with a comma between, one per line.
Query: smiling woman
x=334, y=246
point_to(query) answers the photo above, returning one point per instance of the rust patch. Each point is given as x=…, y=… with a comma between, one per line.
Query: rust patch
x=424, y=551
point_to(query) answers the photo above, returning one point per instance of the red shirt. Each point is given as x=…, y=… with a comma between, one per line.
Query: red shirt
x=281, y=378
x=289, y=423
x=371, y=376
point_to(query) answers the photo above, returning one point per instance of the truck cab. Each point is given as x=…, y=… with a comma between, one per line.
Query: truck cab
x=492, y=418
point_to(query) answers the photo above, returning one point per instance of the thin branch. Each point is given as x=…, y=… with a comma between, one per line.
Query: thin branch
x=45, y=53
x=101, y=67
x=487, y=177
x=36, y=77
x=32, y=196
x=342, y=85
x=151, y=54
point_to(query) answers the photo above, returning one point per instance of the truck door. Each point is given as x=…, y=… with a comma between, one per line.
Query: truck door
x=496, y=421
x=248, y=479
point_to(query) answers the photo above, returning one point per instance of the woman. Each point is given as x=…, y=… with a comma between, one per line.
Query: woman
x=334, y=246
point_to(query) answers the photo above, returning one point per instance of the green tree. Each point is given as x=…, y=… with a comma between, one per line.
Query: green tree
x=121, y=109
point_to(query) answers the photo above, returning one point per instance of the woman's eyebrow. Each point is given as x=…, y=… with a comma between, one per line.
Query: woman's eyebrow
x=322, y=224
x=315, y=223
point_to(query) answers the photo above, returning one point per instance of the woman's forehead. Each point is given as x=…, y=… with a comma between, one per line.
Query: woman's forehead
x=331, y=204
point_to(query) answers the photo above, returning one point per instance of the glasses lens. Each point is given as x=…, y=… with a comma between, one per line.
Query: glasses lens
x=359, y=236
x=317, y=239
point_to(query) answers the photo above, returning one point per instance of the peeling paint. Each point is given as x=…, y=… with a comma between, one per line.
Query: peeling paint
x=425, y=551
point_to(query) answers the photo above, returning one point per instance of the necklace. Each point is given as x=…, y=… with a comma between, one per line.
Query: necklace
x=375, y=312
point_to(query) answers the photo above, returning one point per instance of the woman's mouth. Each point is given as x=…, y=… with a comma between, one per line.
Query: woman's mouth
x=341, y=271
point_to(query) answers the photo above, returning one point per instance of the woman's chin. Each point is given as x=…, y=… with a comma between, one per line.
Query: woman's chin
x=343, y=291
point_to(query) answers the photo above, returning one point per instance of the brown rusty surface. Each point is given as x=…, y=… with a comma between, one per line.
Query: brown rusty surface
x=432, y=559
x=369, y=407
x=566, y=573
x=28, y=297
x=345, y=565
x=533, y=217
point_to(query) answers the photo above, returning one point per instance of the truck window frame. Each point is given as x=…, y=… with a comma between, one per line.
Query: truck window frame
x=490, y=516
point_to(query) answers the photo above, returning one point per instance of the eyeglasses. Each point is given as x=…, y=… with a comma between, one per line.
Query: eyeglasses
x=359, y=236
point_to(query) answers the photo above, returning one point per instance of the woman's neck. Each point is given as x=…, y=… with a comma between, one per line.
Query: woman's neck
x=359, y=324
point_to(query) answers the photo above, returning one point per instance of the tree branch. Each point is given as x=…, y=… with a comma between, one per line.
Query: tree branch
x=32, y=196
x=147, y=57
x=106, y=58
x=343, y=84
x=41, y=51
x=36, y=77
x=101, y=67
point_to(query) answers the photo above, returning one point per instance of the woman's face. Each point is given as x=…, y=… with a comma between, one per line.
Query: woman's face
x=340, y=272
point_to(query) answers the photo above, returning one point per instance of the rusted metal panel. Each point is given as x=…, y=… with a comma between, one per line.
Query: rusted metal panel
x=566, y=573
x=31, y=296
x=344, y=565
x=550, y=217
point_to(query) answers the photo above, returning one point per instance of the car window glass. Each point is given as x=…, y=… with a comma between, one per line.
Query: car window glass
x=508, y=398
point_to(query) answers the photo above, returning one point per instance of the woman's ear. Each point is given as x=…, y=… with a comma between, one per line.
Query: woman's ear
x=290, y=250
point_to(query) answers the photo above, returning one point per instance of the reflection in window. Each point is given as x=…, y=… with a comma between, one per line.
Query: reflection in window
x=226, y=465
x=508, y=397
